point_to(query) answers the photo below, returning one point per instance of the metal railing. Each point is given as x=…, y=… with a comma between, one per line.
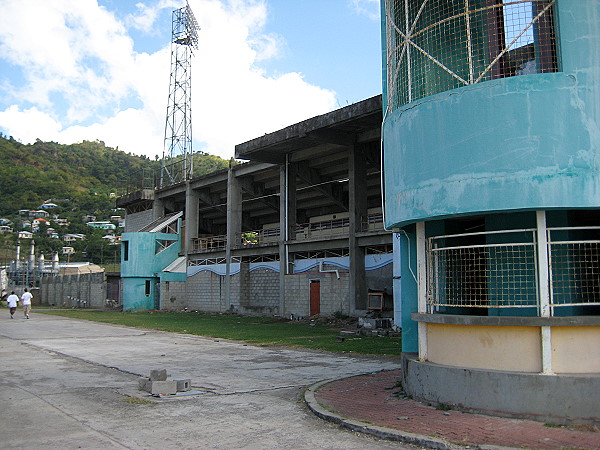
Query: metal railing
x=499, y=269
x=574, y=255
x=323, y=229
x=372, y=222
x=204, y=244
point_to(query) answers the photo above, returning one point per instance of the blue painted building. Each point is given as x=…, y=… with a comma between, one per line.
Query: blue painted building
x=146, y=257
x=491, y=161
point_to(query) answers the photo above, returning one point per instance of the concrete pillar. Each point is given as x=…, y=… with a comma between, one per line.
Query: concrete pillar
x=158, y=209
x=357, y=174
x=191, y=218
x=234, y=228
x=287, y=224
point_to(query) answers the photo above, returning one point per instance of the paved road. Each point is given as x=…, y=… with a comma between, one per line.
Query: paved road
x=64, y=383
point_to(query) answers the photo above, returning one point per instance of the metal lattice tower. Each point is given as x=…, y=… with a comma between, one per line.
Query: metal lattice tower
x=177, y=153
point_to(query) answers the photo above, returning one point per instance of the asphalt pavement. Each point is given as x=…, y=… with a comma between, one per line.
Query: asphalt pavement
x=67, y=383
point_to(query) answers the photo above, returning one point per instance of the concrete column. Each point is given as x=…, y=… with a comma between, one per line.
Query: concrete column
x=158, y=209
x=357, y=174
x=544, y=290
x=422, y=288
x=287, y=223
x=191, y=218
x=234, y=227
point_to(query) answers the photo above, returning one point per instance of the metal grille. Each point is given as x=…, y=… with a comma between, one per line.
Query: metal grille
x=438, y=45
x=499, y=269
x=481, y=276
x=575, y=267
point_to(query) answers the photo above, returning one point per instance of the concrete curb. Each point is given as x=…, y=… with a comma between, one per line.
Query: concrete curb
x=380, y=432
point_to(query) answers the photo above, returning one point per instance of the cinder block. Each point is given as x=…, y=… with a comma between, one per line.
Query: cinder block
x=164, y=387
x=184, y=385
x=144, y=384
x=158, y=375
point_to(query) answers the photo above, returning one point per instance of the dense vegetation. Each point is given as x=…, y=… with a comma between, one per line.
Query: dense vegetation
x=82, y=179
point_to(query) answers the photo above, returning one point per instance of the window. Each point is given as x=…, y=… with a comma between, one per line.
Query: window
x=438, y=45
x=148, y=287
x=125, y=250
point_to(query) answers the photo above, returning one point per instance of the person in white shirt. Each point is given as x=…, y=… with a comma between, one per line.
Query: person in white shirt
x=26, y=302
x=12, y=301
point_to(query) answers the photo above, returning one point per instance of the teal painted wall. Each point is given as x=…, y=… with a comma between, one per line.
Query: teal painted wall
x=134, y=294
x=405, y=288
x=142, y=264
x=515, y=144
x=520, y=143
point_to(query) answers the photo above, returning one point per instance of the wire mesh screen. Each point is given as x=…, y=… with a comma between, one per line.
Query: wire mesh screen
x=575, y=273
x=485, y=276
x=437, y=45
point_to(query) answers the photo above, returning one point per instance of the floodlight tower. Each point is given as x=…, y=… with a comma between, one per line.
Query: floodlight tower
x=177, y=152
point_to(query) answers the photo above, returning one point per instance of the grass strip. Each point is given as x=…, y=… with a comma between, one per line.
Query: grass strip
x=317, y=335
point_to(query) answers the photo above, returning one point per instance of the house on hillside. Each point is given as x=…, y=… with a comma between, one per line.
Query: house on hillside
x=35, y=223
x=491, y=149
x=72, y=237
x=102, y=225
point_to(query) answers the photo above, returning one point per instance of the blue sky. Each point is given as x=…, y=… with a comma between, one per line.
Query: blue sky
x=74, y=70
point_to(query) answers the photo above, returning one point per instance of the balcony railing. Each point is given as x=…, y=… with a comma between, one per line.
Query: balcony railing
x=209, y=243
x=324, y=229
x=372, y=222
x=270, y=236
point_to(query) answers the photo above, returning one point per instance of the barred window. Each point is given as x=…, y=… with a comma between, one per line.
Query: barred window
x=438, y=45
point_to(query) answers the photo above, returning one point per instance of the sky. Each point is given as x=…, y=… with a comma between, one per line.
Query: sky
x=75, y=70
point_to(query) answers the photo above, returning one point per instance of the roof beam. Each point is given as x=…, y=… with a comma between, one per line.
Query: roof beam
x=257, y=191
x=332, y=191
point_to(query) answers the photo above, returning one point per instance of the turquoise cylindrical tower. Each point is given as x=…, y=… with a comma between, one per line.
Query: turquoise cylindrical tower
x=464, y=135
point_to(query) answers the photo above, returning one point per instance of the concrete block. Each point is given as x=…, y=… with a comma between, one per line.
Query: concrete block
x=184, y=385
x=144, y=384
x=163, y=387
x=158, y=375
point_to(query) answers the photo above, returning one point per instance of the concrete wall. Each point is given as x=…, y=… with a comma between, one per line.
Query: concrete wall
x=334, y=293
x=173, y=296
x=206, y=291
x=497, y=348
x=576, y=349
x=65, y=289
x=561, y=399
x=259, y=291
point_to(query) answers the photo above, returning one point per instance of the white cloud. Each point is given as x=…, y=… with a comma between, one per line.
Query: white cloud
x=369, y=8
x=80, y=75
x=147, y=15
x=19, y=124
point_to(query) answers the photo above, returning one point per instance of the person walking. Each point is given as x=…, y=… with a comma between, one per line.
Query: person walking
x=26, y=302
x=12, y=301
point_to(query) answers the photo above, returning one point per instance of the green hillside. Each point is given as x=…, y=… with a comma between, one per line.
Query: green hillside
x=81, y=179
x=33, y=173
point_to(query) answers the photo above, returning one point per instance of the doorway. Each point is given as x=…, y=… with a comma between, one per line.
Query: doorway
x=315, y=297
